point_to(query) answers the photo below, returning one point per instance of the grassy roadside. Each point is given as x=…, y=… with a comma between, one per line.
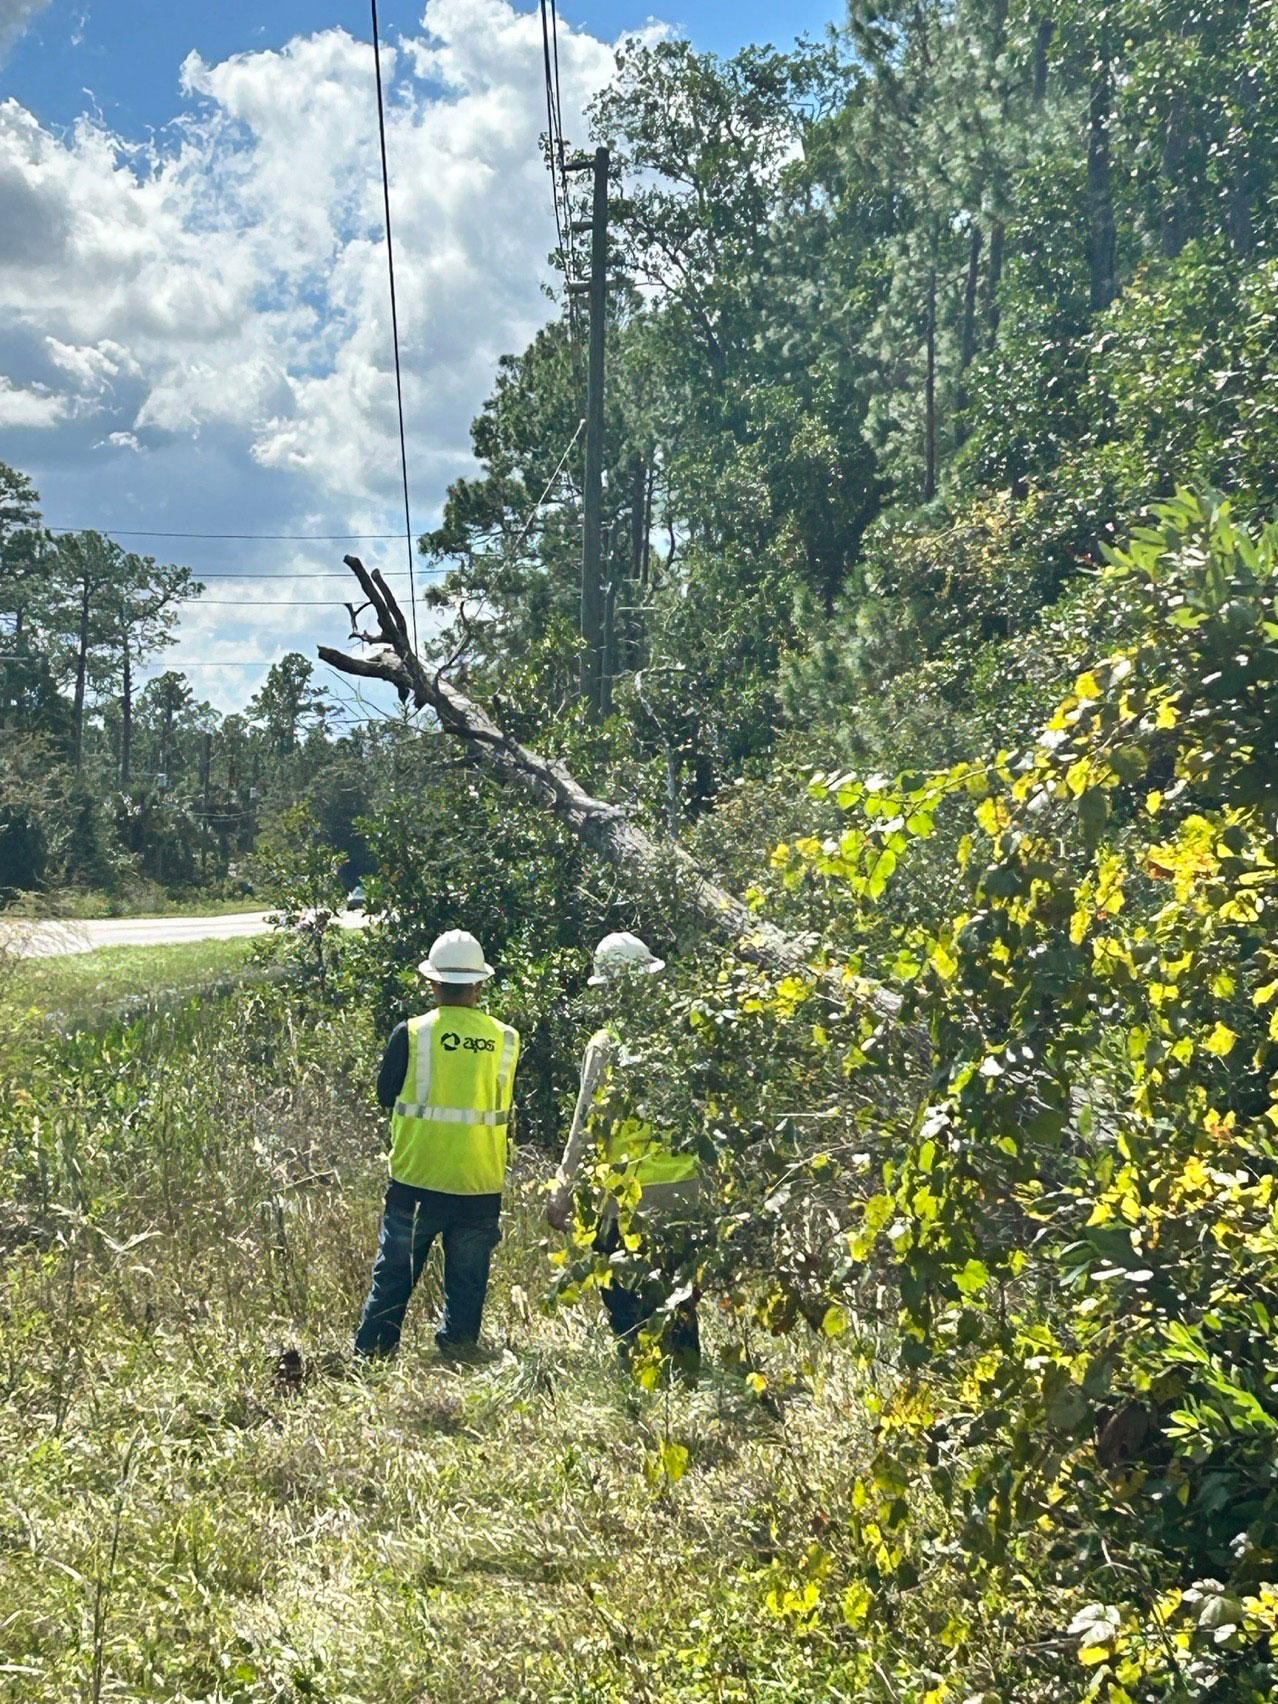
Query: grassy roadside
x=80, y=904
x=182, y=1202
x=81, y=986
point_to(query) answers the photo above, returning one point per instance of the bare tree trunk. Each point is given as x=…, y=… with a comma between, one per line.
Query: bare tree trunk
x=967, y=341
x=207, y=767
x=81, y=670
x=1042, y=41
x=638, y=551
x=166, y=732
x=20, y=693
x=126, y=717
x=608, y=650
x=993, y=278
x=601, y=826
x=1102, y=230
x=967, y=348
x=929, y=406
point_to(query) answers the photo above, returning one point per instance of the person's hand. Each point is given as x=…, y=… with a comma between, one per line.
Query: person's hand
x=557, y=1212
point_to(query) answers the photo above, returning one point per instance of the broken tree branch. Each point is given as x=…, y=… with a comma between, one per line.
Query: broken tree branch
x=600, y=825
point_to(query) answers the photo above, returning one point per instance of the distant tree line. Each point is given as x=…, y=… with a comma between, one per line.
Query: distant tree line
x=113, y=775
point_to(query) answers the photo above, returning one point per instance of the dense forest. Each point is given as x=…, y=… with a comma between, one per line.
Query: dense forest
x=941, y=629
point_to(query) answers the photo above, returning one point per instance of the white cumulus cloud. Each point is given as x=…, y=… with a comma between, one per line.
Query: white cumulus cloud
x=236, y=277
x=218, y=295
x=37, y=407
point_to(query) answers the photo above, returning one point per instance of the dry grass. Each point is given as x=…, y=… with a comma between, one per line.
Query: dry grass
x=173, y=1526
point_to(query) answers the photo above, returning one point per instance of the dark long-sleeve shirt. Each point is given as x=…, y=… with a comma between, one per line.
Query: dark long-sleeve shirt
x=390, y=1079
x=390, y=1083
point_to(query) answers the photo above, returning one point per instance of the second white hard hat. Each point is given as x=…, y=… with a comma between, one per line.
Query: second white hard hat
x=622, y=952
x=456, y=957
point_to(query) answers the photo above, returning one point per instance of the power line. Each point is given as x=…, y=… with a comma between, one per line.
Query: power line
x=261, y=603
x=390, y=267
x=287, y=538
x=554, y=33
x=177, y=662
x=552, y=130
x=267, y=574
x=536, y=509
x=563, y=174
x=557, y=147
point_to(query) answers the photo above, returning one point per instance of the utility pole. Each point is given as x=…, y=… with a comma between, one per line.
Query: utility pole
x=207, y=766
x=596, y=288
x=608, y=648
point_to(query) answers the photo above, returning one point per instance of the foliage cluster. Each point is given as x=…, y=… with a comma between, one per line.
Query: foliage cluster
x=1074, y=1219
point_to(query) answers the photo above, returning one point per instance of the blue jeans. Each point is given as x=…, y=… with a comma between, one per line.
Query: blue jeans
x=409, y=1228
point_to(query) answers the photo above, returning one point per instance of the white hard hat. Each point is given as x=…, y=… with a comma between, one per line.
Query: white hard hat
x=623, y=952
x=456, y=957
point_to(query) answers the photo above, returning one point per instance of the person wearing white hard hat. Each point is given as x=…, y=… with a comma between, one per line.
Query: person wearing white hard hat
x=448, y=1080
x=664, y=1183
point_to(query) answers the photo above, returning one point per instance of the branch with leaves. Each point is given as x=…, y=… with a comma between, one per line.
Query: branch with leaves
x=602, y=826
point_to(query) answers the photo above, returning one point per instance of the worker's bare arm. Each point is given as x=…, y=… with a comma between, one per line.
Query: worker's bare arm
x=593, y=1067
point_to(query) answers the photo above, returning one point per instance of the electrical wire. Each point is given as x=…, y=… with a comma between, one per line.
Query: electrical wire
x=551, y=130
x=563, y=173
x=260, y=603
x=536, y=509
x=179, y=662
x=557, y=149
x=553, y=135
x=559, y=111
x=271, y=574
x=294, y=538
x=390, y=268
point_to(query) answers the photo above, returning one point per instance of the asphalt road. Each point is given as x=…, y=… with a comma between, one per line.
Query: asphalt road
x=48, y=939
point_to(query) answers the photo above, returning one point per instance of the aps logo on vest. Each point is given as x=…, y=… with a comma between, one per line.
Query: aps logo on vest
x=450, y=1041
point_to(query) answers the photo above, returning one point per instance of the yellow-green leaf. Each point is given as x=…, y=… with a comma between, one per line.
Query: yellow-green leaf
x=674, y=1460
x=945, y=961
x=856, y=1603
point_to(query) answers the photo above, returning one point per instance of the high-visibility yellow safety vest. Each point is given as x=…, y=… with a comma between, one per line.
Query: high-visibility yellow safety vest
x=632, y=1145
x=448, y=1129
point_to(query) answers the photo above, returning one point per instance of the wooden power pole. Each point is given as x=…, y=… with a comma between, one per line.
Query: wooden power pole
x=596, y=289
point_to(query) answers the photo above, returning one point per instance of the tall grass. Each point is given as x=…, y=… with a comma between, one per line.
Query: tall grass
x=184, y=1200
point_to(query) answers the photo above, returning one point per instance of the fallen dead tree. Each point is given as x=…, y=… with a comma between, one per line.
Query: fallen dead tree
x=602, y=826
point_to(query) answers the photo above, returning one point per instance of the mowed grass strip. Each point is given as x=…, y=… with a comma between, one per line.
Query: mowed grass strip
x=82, y=904
x=79, y=986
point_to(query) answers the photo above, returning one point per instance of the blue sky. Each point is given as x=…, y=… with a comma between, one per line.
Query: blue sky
x=126, y=52
x=193, y=328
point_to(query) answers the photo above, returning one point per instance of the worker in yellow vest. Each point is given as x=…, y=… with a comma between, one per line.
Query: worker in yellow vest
x=449, y=1079
x=663, y=1184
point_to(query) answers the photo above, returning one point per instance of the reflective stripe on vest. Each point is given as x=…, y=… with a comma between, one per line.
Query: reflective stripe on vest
x=449, y=1114
x=451, y=1136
